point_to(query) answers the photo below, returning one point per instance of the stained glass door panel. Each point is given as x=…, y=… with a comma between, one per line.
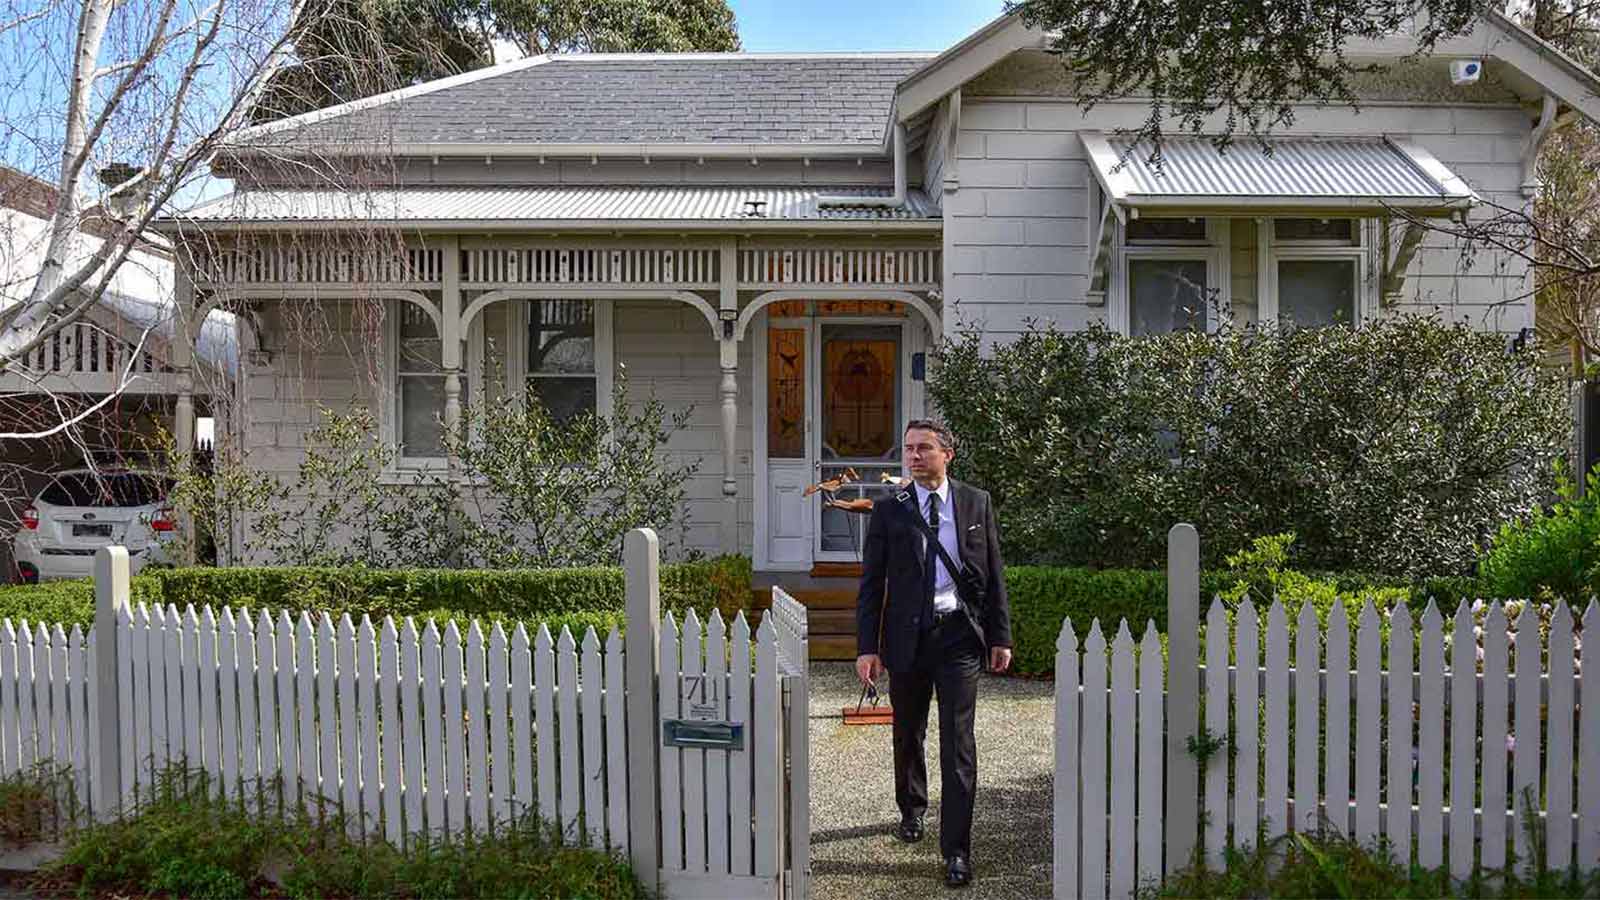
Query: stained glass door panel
x=861, y=399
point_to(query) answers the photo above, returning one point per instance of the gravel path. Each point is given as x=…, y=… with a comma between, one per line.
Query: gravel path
x=854, y=853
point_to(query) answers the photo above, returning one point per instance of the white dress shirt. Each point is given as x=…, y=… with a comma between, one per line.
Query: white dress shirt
x=944, y=584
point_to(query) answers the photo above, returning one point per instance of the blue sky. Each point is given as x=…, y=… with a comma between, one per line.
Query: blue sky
x=827, y=25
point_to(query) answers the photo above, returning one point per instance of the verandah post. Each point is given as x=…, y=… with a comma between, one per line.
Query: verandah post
x=641, y=567
x=111, y=597
x=1183, y=693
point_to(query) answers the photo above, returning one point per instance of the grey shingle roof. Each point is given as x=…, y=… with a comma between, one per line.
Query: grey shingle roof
x=665, y=98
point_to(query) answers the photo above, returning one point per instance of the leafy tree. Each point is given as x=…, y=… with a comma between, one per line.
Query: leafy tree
x=613, y=26
x=1248, y=60
x=348, y=49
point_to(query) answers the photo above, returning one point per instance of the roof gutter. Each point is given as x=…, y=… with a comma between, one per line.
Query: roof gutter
x=511, y=150
x=179, y=227
x=896, y=200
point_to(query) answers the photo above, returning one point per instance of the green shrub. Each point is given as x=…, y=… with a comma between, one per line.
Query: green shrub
x=186, y=842
x=1549, y=554
x=1396, y=448
x=34, y=802
x=573, y=597
x=68, y=602
x=534, y=492
x=1042, y=596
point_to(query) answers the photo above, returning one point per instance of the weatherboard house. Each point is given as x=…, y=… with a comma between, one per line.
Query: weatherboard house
x=780, y=239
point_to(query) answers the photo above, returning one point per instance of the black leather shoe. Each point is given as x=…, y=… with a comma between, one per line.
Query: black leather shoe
x=957, y=871
x=910, y=830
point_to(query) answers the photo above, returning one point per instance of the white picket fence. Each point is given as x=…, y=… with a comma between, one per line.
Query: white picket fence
x=727, y=829
x=408, y=731
x=1451, y=753
x=417, y=732
x=45, y=709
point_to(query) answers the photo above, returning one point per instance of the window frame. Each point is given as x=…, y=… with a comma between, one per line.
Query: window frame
x=1272, y=251
x=475, y=390
x=516, y=368
x=1213, y=251
x=393, y=421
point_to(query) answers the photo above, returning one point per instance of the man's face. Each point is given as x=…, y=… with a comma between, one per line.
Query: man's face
x=926, y=458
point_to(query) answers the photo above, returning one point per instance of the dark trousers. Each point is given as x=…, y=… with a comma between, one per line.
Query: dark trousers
x=949, y=658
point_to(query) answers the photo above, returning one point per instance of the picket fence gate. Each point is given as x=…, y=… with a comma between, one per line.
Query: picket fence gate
x=416, y=732
x=1489, y=748
x=707, y=789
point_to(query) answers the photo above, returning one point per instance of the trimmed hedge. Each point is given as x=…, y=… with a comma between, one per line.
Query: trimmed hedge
x=1041, y=596
x=556, y=597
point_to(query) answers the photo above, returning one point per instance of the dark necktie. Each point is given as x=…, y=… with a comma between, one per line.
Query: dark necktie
x=931, y=553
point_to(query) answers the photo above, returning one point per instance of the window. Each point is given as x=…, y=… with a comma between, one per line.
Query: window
x=1316, y=269
x=1166, y=231
x=559, y=368
x=419, y=387
x=1168, y=273
x=557, y=351
x=1317, y=292
x=1175, y=273
x=1338, y=232
x=1165, y=295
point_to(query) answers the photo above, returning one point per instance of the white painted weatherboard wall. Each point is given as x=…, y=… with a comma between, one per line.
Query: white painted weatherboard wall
x=1016, y=229
x=665, y=347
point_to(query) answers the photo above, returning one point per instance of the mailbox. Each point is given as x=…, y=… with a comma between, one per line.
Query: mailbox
x=698, y=734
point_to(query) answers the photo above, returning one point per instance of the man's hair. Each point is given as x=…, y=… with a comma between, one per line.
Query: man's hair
x=947, y=438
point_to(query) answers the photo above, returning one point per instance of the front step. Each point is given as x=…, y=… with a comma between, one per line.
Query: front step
x=830, y=615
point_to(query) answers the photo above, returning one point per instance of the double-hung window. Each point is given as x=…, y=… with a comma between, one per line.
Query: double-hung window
x=563, y=358
x=418, y=365
x=557, y=352
x=1169, y=272
x=1316, y=272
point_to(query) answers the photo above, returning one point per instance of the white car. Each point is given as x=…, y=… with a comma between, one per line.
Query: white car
x=80, y=511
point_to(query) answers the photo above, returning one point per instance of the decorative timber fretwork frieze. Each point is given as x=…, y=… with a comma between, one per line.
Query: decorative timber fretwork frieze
x=306, y=264
x=310, y=261
x=677, y=268
x=915, y=269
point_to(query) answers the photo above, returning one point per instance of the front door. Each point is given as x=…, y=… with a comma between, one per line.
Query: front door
x=860, y=401
x=834, y=388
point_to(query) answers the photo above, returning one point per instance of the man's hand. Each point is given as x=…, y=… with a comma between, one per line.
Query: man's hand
x=868, y=667
x=999, y=659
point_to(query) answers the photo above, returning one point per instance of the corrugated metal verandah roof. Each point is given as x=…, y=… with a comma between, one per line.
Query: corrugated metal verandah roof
x=537, y=206
x=1299, y=173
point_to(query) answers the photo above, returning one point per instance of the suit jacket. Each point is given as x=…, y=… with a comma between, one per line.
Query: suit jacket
x=892, y=604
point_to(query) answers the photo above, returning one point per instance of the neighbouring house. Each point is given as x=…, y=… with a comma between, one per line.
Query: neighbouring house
x=780, y=239
x=111, y=374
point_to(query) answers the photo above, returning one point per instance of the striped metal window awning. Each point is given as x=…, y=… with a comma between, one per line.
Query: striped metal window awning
x=1310, y=175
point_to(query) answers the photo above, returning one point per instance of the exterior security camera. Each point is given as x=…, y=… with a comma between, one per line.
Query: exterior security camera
x=1465, y=71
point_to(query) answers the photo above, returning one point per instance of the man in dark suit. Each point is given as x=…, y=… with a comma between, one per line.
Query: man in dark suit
x=933, y=630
